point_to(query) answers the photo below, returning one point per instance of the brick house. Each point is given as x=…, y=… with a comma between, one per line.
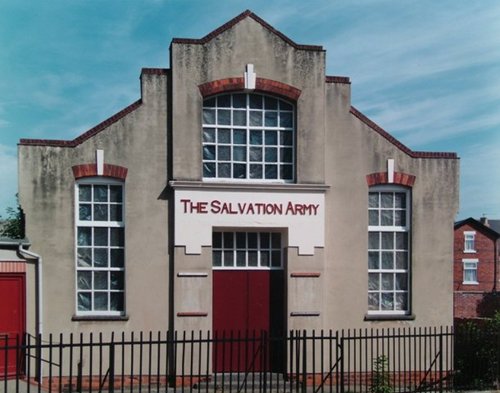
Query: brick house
x=475, y=282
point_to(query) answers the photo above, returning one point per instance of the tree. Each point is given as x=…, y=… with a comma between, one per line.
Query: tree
x=13, y=225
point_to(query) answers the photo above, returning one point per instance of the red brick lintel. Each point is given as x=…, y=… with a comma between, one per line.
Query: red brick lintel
x=415, y=154
x=192, y=314
x=87, y=135
x=400, y=178
x=90, y=170
x=305, y=275
x=261, y=84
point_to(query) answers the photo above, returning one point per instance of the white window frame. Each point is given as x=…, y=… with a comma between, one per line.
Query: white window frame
x=258, y=249
x=470, y=265
x=280, y=147
x=394, y=229
x=99, y=224
x=469, y=240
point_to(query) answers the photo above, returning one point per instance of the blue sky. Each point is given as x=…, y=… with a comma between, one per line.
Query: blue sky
x=426, y=71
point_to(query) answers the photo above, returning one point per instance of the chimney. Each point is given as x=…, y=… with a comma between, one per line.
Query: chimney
x=484, y=221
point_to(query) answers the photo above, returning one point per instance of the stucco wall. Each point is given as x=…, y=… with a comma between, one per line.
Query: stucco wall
x=138, y=142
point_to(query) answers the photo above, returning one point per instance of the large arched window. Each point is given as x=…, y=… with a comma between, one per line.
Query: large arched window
x=248, y=136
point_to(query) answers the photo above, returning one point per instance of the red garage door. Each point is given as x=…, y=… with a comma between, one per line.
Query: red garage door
x=12, y=321
x=248, y=301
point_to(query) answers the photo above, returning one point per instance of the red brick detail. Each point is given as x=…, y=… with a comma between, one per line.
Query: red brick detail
x=279, y=88
x=238, y=83
x=12, y=267
x=115, y=171
x=338, y=79
x=415, y=154
x=90, y=170
x=228, y=25
x=305, y=275
x=221, y=86
x=192, y=314
x=400, y=178
x=154, y=71
x=87, y=135
x=84, y=170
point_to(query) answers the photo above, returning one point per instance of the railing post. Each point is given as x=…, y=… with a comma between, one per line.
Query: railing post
x=441, y=360
x=304, y=362
x=38, y=359
x=341, y=347
x=111, y=367
x=79, y=377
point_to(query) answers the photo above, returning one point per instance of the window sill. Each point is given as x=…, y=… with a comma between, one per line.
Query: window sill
x=470, y=251
x=470, y=283
x=79, y=318
x=245, y=185
x=389, y=317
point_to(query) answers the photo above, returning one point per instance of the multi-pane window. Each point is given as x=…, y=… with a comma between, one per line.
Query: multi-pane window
x=246, y=250
x=248, y=136
x=100, y=267
x=470, y=271
x=388, y=251
x=469, y=241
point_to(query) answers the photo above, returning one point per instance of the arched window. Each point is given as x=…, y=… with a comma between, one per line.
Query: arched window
x=100, y=259
x=389, y=209
x=248, y=136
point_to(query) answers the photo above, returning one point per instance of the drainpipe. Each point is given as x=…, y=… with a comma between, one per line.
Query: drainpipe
x=39, y=294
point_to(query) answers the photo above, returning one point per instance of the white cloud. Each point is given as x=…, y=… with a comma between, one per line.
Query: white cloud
x=480, y=179
x=399, y=48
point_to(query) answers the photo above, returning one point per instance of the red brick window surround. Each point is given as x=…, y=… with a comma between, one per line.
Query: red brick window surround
x=400, y=178
x=238, y=84
x=90, y=170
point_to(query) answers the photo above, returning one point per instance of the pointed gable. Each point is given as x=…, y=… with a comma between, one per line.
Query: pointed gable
x=233, y=22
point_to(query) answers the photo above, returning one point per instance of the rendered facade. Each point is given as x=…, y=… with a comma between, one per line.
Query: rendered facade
x=476, y=265
x=241, y=191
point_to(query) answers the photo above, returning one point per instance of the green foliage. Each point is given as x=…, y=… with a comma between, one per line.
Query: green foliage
x=13, y=225
x=380, y=376
x=477, y=354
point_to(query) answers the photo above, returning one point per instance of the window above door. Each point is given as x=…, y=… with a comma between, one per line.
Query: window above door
x=248, y=137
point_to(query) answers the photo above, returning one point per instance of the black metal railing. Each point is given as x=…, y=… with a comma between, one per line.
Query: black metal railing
x=368, y=360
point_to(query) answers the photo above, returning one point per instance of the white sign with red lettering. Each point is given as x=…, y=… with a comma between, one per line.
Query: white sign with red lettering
x=301, y=214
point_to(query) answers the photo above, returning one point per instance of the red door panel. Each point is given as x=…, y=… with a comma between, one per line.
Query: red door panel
x=247, y=303
x=12, y=321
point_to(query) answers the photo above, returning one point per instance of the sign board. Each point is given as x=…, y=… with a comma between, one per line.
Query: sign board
x=197, y=212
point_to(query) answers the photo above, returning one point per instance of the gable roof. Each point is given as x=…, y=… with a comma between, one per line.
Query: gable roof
x=479, y=226
x=495, y=225
x=414, y=154
x=235, y=21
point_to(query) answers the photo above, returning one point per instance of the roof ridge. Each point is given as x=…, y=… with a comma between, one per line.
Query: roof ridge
x=412, y=153
x=229, y=24
x=86, y=135
x=472, y=221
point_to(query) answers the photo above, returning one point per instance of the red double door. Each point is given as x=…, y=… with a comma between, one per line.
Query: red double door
x=248, y=320
x=12, y=322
